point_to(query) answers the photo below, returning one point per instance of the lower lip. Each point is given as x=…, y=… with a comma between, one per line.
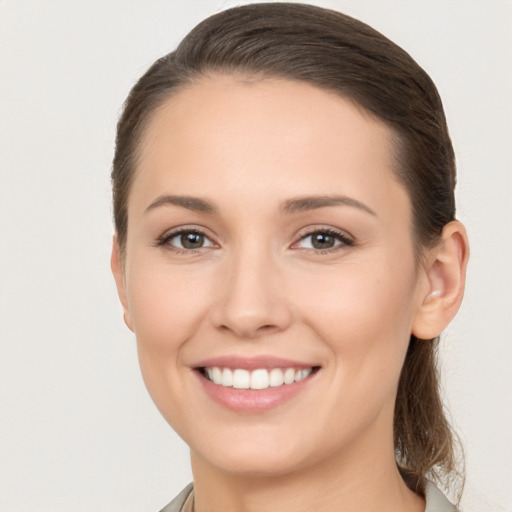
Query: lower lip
x=252, y=400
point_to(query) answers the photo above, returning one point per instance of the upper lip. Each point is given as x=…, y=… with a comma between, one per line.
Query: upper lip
x=252, y=363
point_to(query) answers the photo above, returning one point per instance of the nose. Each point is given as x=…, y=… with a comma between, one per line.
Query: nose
x=252, y=299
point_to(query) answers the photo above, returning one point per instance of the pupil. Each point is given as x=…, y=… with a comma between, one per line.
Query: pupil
x=323, y=241
x=192, y=240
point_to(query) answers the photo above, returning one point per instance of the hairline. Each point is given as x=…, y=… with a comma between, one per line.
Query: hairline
x=194, y=78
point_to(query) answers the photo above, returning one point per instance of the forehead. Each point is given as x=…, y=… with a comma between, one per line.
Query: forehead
x=266, y=137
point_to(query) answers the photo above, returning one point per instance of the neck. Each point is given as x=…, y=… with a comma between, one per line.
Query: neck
x=343, y=482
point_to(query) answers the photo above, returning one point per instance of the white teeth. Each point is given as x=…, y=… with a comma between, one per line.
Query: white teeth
x=256, y=379
x=259, y=379
x=289, y=375
x=227, y=377
x=241, y=379
x=305, y=372
x=276, y=377
x=217, y=375
x=302, y=374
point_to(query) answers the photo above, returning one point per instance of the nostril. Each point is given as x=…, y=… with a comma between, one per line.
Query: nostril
x=249, y=319
x=249, y=332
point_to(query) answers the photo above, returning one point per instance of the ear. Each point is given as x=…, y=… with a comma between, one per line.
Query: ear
x=445, y=273
x=116, y=264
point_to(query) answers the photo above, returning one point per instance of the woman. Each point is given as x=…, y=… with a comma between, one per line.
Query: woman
x=287, y=254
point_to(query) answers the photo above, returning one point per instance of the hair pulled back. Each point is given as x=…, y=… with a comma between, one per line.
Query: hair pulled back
x=335, y=52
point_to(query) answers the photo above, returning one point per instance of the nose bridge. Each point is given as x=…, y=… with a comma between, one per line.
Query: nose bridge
x=253, y=300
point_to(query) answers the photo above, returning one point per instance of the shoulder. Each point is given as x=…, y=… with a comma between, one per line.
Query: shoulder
x=436, y=501
x=177, y=503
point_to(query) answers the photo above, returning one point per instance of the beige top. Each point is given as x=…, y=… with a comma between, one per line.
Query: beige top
x=435, y=499
x=188, y=506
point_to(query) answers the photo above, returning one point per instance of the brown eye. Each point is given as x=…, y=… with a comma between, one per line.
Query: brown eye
x=187, y=240
x=324, y=240
x=192, y=240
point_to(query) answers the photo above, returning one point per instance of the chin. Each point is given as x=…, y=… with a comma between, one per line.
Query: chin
x=261, y=454
x=255, y=465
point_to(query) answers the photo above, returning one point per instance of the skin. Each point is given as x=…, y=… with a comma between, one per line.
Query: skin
x=258, y=286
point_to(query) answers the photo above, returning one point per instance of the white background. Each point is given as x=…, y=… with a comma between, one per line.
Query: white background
x=77, y=429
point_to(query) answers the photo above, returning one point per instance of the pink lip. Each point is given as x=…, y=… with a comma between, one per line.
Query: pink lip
x=250, y=400
x=252, y=363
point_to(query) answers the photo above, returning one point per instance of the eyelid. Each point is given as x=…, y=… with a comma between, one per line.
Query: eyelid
x=342, y=236
x=162, y=241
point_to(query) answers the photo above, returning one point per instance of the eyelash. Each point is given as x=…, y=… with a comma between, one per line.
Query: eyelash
x=339, y=236
x=165, y=239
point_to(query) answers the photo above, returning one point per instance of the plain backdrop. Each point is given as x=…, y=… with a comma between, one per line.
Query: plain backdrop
x=77, y=428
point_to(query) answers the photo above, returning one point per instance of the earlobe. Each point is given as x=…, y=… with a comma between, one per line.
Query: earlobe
x=116, y=264
x=445, y=276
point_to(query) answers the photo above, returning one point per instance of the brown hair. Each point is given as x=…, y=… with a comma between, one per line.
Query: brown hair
x=335, y=52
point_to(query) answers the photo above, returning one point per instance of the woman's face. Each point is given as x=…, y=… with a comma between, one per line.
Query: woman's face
x=268, y=241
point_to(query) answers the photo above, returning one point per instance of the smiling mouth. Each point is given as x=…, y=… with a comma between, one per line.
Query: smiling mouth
x=257, y=379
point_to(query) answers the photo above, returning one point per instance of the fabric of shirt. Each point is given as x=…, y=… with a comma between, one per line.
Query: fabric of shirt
x=434, y=498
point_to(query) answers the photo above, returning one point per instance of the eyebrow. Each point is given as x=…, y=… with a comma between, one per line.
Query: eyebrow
x=190, y=203
x=301, y=204
x=290, y=206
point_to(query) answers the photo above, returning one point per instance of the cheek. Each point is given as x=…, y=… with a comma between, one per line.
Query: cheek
x=363, y=317
x=364, y=313
x=166, y=305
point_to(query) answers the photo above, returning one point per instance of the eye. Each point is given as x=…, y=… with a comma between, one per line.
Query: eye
x=186, y=240
x=323, y=240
